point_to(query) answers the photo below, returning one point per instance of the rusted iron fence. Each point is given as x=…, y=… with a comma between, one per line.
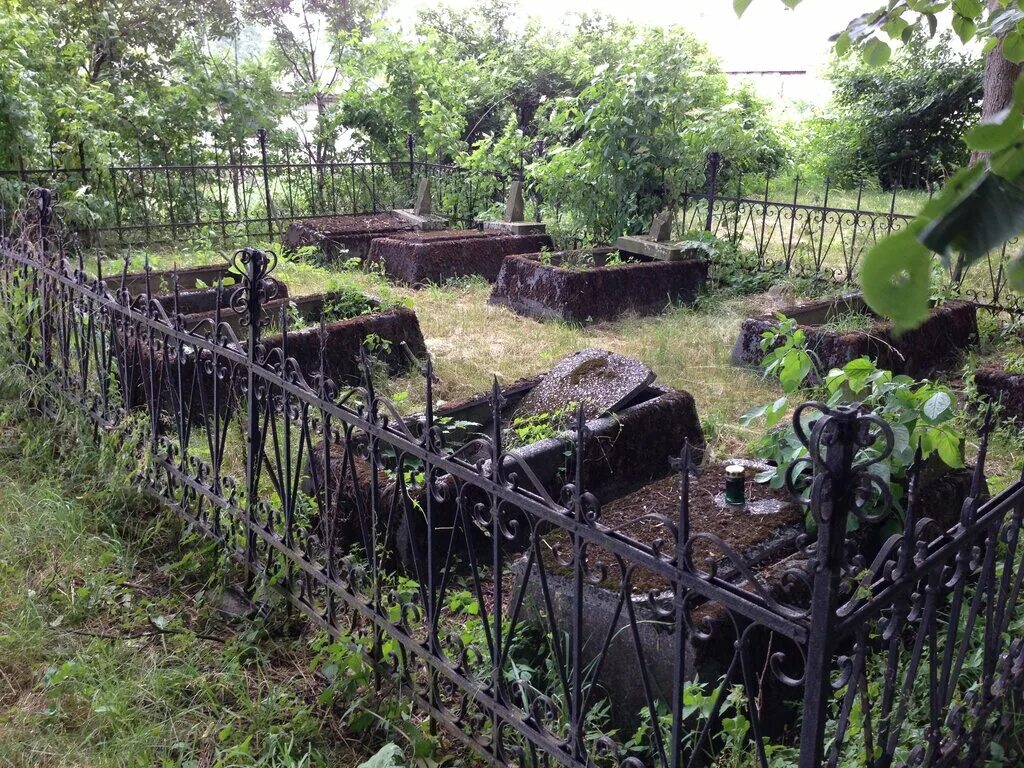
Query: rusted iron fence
x=468, y=585
x=250, y=191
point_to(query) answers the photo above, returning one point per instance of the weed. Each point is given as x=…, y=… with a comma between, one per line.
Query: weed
x=849, y=322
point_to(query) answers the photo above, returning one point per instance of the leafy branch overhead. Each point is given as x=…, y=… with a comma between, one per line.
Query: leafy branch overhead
x=980, y=208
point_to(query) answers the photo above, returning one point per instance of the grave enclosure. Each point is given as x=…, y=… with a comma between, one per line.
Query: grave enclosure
x=436, y=256
x=998, y=385
x=341, y=238
x=391, y=332
x=634, y=427
x=937, y=344
x=582, y=286
x=415, y=246
x=642, y=274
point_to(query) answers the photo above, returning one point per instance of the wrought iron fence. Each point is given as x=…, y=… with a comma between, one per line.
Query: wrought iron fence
x=250, y=190
x=471, y=584
x=792, y=231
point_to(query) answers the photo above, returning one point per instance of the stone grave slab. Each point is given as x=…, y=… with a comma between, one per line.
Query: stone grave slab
x=655, y=244
x=598, y=380
x=644, y=246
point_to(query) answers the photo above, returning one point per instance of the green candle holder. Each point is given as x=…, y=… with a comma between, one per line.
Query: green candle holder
x=735, y=485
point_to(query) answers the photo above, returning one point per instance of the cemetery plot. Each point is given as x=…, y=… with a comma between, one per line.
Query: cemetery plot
x=1005, y=386
x=634, y=427
x=345, y=237
x=188, y=278
x=599, y=284
x=755, y=547
x=351, y=320
x=843, y=329
x=760, y=534
x=418, y=258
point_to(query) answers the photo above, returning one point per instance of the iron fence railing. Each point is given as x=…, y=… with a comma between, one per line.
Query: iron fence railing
x=470, y=585
x=252, y=190
x=249, y=190
x=796, y=231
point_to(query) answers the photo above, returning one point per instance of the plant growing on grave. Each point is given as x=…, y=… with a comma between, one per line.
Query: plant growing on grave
x=849, y=322
x=535, y=427
x=922, y=414
x=736, y=270
x=614, y=259
x=376, y=344
x=730, y=746
x=346, y=303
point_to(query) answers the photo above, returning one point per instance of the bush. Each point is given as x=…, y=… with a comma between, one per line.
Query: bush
x=903, y=123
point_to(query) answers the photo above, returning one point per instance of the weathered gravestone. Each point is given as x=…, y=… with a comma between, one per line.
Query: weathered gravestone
x=515, y=207
x=661, y=227
x=597, y=380
x=422, y=206
x=421, y=215
x=515, y=215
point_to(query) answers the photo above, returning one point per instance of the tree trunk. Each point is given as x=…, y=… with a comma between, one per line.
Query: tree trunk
x=1000, y=75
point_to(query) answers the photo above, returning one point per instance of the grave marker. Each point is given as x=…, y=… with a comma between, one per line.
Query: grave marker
x=421, y=215
x=515, y=215
x=655, y=244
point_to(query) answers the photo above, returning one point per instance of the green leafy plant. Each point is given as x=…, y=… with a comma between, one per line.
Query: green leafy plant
x=347, y=303
x=982, y=206
x=534, y=427
x=922, y=414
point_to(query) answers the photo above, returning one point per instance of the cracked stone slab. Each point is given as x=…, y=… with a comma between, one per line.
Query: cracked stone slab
x=599, y=380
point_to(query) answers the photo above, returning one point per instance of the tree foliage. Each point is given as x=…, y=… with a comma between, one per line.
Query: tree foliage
x=606, y=120
x=901, y=123
x=982, y=207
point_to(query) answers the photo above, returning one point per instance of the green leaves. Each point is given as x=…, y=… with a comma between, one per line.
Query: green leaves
x=937, y=405
x=1013, y=47
x=895, y=277
x=988, y=214
x=388, y=756
x=922, y=414
x=964, y=27
x=876, y=52
x=740, y=6
x=995, y=133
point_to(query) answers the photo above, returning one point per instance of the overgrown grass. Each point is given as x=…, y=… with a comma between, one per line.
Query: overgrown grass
x=113, y=647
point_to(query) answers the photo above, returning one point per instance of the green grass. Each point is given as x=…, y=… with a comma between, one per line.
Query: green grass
x=849, y=322
x=113, y=650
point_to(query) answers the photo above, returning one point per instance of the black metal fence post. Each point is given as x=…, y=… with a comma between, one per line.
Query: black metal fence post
x=257, y=265
x=832, y=444
x=262, y=134
x=45, y=203
x=714, y=161
x=410, y=143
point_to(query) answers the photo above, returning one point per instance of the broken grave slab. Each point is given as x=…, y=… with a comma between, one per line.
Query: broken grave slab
x=596, y=379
